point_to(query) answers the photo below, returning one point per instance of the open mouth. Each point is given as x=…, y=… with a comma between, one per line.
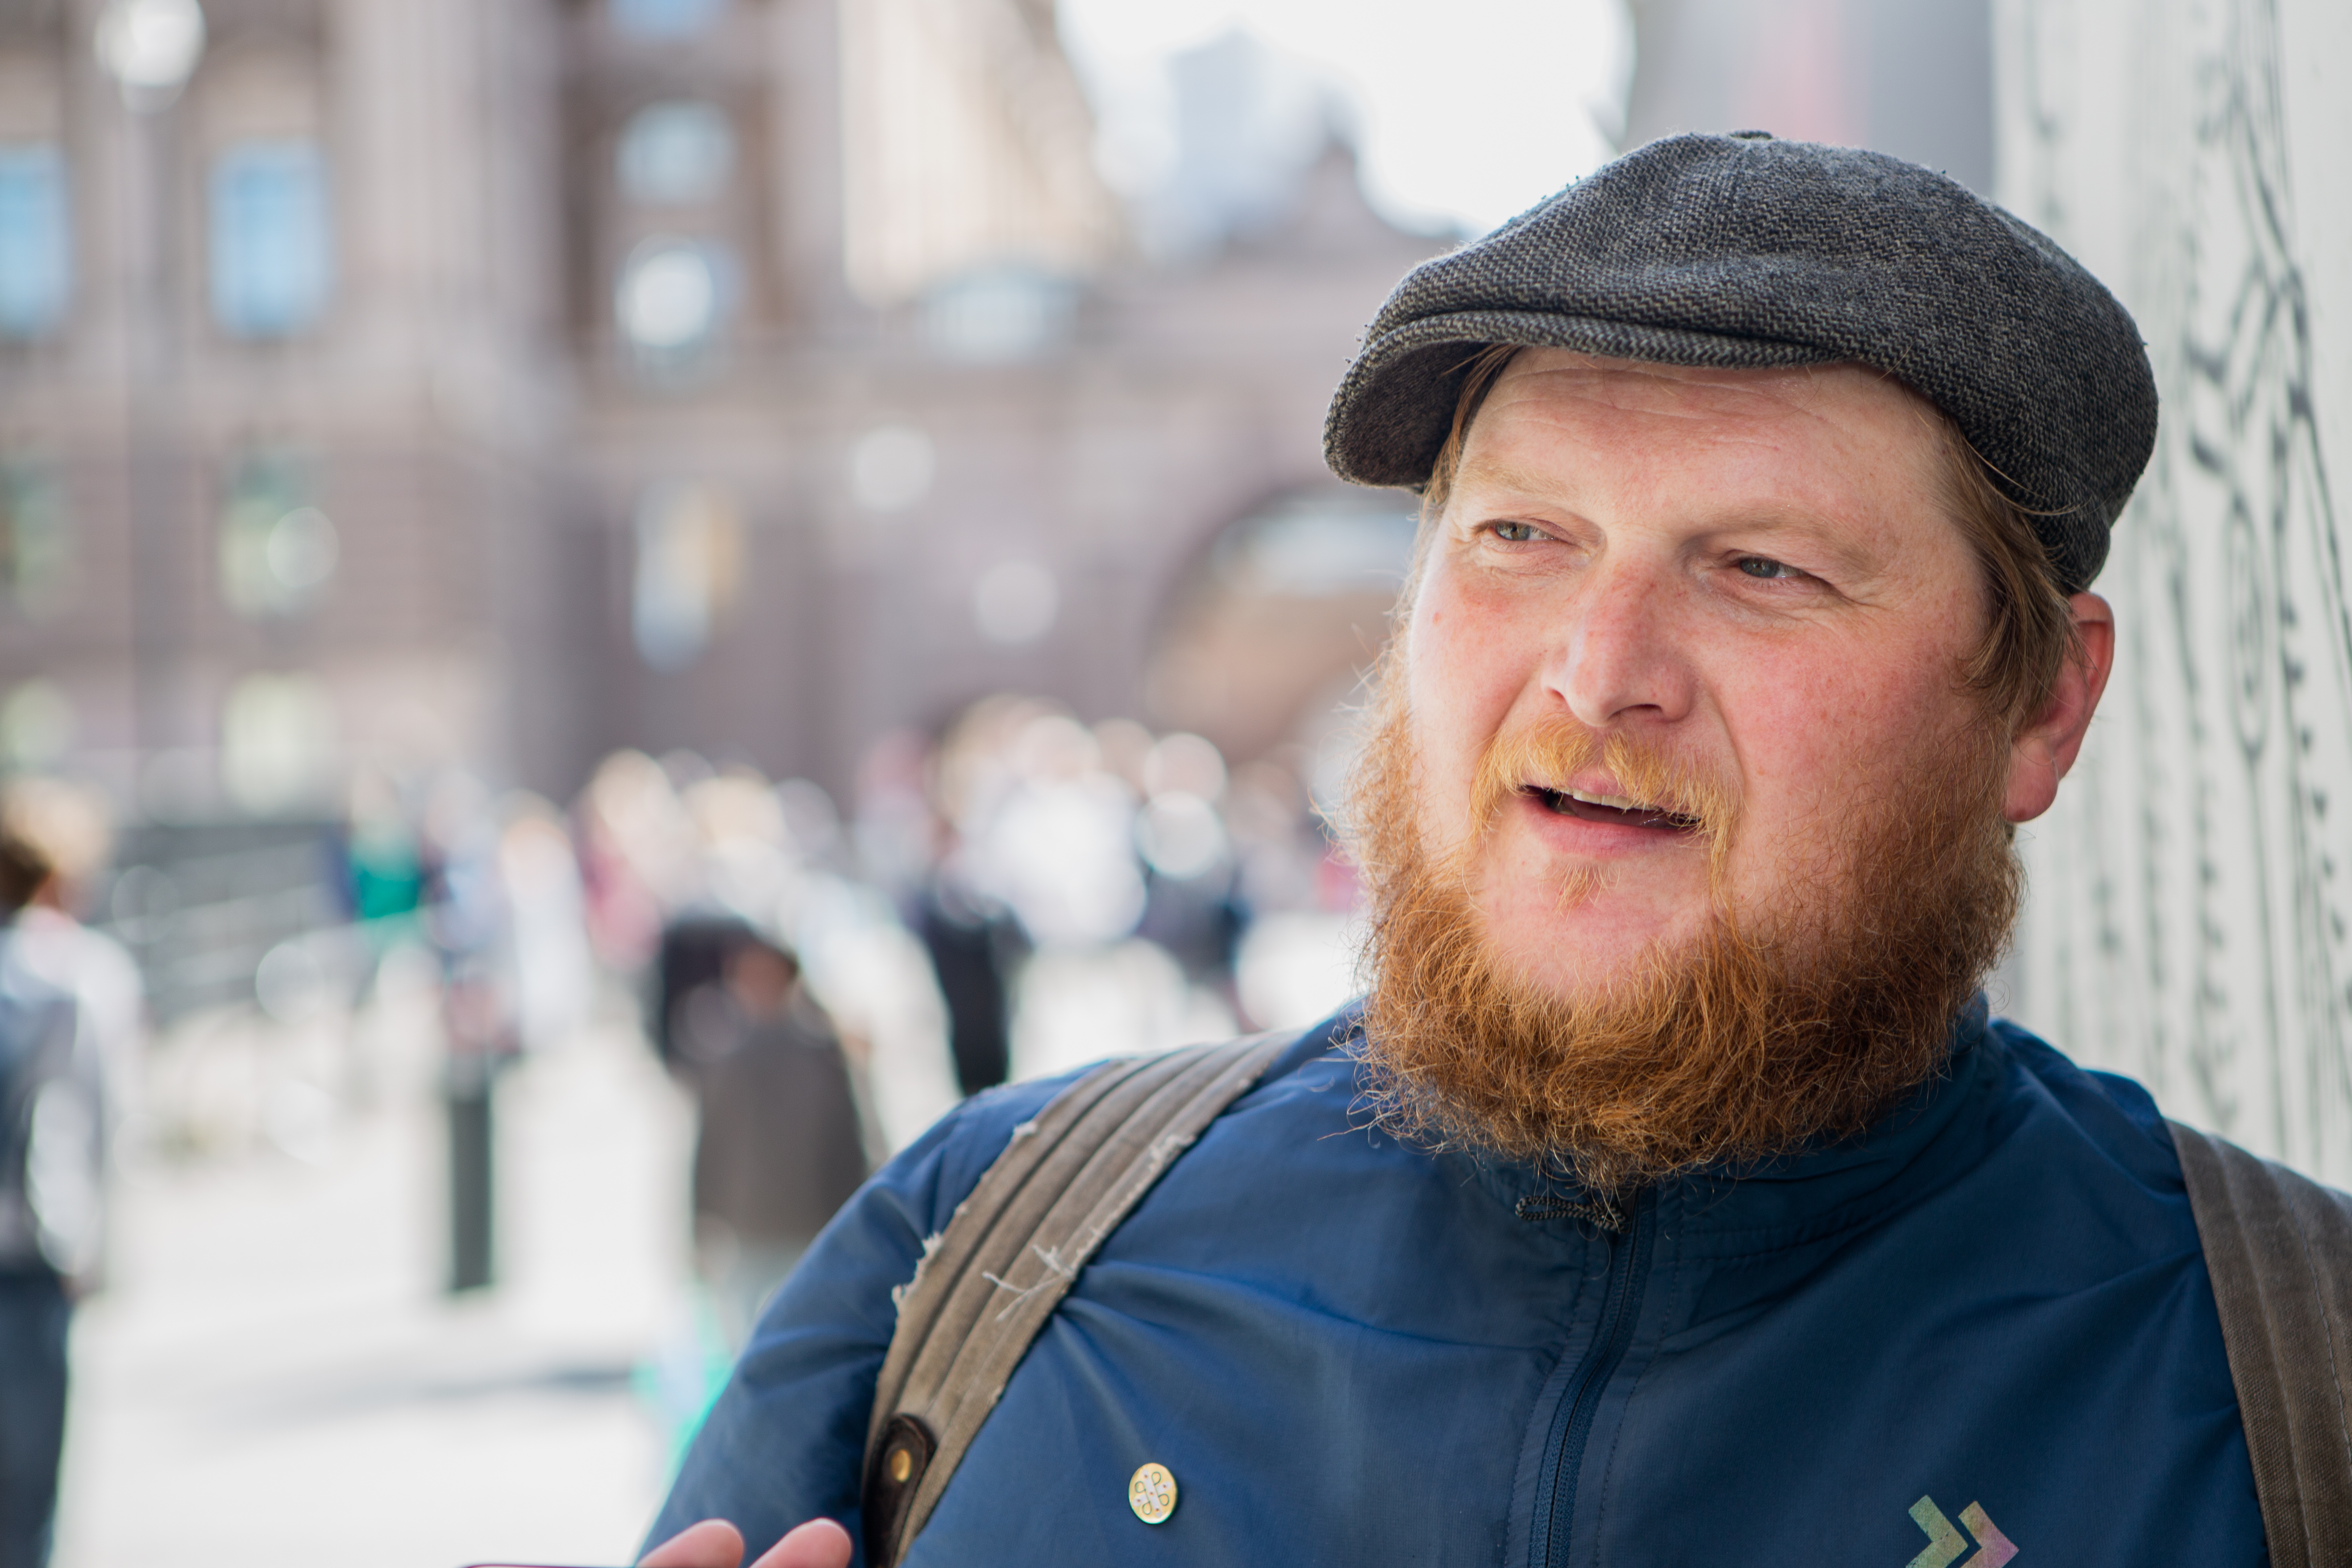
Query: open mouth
x=1612, y=808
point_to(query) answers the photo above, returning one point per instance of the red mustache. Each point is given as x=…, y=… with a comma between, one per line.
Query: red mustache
x=1551, y=752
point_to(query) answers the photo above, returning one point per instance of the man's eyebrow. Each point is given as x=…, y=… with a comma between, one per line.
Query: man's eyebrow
x=1775, y=516
x=1509, y=477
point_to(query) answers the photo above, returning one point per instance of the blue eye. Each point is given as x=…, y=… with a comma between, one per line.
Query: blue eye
x=1517, y=532
x=1759, y=566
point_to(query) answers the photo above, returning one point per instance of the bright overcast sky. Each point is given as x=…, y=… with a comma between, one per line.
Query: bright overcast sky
x=1469, y=109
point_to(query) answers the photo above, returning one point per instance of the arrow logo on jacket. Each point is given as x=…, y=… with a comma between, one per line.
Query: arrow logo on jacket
x=1945, y=1543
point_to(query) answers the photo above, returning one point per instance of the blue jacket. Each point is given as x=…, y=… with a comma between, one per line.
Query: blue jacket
x=1988, y=1320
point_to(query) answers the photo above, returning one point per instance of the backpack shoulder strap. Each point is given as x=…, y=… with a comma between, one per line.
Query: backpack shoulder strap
x=988, y=1283
x=2279, y=1249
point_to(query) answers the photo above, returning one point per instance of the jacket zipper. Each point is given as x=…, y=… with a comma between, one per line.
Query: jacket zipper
x=1629, y=1266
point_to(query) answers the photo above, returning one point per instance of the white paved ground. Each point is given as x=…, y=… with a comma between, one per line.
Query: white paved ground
x=277, y=1379
x=274, y=1378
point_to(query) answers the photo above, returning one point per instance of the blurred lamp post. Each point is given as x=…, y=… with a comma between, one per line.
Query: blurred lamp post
x=150, y=48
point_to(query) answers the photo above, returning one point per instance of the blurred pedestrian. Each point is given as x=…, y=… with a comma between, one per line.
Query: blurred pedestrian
x=779, y=1150
x=635, y=856
x=52, y=1161
x=1192, y=903
x=383, y=868
x=691, y=953
x=555, y=972
x=976, y=947
x=67, y=828
x=469, y=921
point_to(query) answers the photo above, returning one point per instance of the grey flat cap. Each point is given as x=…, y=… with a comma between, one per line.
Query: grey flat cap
x=1746, y=251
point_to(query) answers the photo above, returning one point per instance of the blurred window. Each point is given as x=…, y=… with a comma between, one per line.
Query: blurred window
x=37, y=725
x=278, y=751
x=1317, y=547
x=35, y=253
x=688, y=570
x=891, y=467
x=272, y=255
x=278, y=551
x=664, y=18
x=677, y=151
x=672, y=295
x=999, y=314
x=1014, y=602
x=37, y=544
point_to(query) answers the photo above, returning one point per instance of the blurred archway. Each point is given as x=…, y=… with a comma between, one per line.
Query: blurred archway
x=1279, y=615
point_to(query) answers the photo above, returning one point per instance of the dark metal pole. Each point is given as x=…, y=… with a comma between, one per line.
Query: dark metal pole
x=473, y=1012
x=472, y=1190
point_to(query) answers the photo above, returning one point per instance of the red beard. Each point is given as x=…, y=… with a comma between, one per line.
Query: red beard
x=1774, y=1029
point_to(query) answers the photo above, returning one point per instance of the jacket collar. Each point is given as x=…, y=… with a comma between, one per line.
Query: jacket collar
x=1940, y=1129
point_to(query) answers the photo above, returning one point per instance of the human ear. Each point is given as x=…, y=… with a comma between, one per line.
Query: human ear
x=2041, y=753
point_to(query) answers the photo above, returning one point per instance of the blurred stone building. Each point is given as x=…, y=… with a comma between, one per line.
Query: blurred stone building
x=1913, y=78
x=503, y=381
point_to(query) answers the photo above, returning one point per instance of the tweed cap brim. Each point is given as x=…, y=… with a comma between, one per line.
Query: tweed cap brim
x=1745, y=252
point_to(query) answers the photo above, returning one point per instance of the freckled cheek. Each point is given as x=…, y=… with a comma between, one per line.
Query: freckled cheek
x=1480, y=646
x=1472, y=646
x=1811, y=739
x=1466, y=666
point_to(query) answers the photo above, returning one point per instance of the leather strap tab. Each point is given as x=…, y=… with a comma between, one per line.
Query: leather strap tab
x=891, y=1476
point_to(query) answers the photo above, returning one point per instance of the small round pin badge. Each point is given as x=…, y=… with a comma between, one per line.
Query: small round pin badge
x=1151, y=1493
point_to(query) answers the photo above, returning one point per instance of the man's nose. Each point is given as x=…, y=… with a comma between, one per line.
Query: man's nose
x=1626, y=656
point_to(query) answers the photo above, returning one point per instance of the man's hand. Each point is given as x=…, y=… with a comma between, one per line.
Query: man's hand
x=715, y=1543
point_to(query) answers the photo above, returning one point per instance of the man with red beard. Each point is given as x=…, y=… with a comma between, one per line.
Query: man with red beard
x=1672, y=1197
